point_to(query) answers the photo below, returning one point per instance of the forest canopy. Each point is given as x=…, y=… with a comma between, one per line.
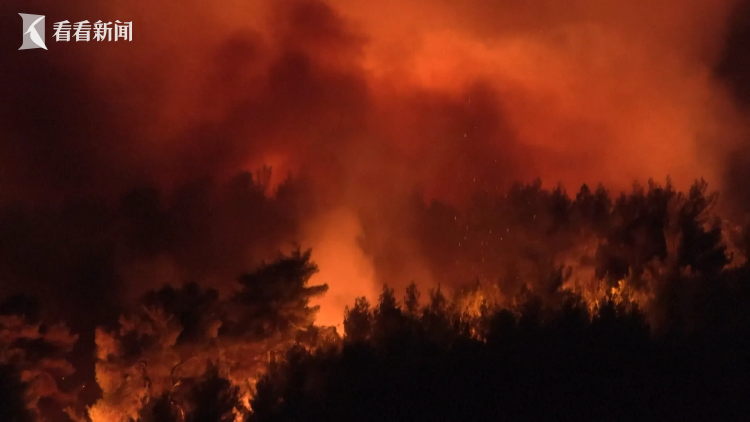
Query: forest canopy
x=586, y=306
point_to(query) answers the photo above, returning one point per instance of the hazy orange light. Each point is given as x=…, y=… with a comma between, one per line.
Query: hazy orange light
x=343, y=266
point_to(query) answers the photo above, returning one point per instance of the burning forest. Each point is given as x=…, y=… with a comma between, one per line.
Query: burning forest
x=327, y=210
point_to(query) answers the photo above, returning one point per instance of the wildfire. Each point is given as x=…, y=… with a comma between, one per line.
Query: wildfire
x=346, y=270
x=380, y=134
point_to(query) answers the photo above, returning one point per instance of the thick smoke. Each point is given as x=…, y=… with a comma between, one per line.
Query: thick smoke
x=734, y=68
x=118, y=170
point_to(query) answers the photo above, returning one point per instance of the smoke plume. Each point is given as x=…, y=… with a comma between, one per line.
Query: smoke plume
x=118, y=171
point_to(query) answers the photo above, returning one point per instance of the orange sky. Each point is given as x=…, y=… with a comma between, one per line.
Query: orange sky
x=377, y=99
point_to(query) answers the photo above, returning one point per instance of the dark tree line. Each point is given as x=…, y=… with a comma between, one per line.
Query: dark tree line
x=534, y=362
x=520, y=235
x=589, y=307
x=679, y=351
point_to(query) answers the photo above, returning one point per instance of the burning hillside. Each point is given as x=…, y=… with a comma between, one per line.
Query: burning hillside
x=188, y=216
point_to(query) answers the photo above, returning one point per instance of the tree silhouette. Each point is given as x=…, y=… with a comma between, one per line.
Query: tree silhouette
x=213, y=399
x=180, y=333
x=358, y=321
x=540, y=360
x=548, y=307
